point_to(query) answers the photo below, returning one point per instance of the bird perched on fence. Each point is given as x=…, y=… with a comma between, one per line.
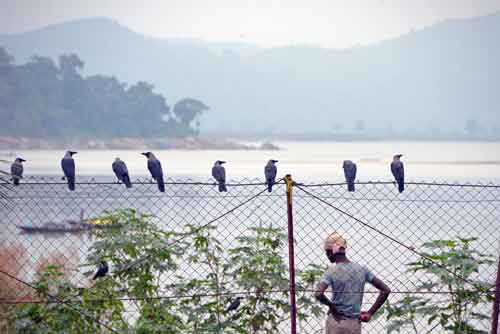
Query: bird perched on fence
x=234, y=304
x=219, y=174
x=350, y=174
x=398, y=172
x=16, y=170
x=154, y=167
x=121, y=172
x=270, y=172
x=102, y=270
x=68, y=167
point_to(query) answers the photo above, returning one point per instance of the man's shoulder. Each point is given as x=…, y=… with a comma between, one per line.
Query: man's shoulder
x=351, y=266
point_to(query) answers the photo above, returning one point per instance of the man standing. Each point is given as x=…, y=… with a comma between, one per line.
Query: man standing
x=347, y=280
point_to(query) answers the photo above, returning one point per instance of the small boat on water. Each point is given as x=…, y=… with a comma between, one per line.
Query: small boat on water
x=53, y=228
x=63, y=228
x=71, y=226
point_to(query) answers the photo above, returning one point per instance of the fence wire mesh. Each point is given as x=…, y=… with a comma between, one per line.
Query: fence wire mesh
x=236, y=247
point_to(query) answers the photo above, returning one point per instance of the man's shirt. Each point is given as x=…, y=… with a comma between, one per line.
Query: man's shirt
x=347, y=280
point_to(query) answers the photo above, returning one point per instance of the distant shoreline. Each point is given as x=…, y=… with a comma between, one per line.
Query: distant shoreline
x=128, y=143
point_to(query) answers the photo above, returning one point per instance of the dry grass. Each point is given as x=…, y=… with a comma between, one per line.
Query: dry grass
x=12, y=258
x=15, y=260
x=64, y=261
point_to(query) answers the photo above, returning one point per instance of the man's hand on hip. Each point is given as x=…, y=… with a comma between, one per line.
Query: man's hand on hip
x=365, y=316
x=336, y=314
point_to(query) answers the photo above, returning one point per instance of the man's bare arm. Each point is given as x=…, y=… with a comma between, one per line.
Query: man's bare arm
x=319, y=294
x=384, y=292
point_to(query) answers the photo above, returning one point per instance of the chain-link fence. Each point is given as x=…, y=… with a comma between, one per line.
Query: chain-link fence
x=435, y=245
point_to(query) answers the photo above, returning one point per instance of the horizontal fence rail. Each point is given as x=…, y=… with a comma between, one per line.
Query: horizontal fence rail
x=196, y=260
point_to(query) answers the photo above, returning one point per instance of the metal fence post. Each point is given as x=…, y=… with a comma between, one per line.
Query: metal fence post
x=291, y=256
x=496, y=303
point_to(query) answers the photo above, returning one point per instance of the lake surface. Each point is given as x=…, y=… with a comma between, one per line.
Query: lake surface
x=306, y=161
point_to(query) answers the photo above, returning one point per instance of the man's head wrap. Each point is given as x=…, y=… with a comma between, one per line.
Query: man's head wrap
x=334, y=242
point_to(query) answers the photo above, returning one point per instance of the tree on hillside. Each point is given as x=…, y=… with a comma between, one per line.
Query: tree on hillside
x=41, y=91
x=42, y=98
x=149, y=108
x=6, y=59
x=70, y=65
x=472, y=127
x=188, y=109
x=360, y=126
x=6, y=86
x=337, y=127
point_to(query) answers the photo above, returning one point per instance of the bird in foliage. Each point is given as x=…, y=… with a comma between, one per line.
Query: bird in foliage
x=154, y=167
x=121, y=172
x=276, y=243
x=270, y=171
x=398, y=172
x=16, y=170
x=350, y=174
x=68, y=167
x=234, y=304
x=219, y=174
x=102, y=270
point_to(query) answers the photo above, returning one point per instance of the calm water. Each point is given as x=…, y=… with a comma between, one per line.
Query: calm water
x=448, y=161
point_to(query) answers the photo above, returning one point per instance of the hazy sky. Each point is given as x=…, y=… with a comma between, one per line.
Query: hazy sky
x=330, y=23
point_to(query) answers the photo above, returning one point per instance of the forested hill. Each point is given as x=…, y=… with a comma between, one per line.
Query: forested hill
x=42, y=98
x=435, y=81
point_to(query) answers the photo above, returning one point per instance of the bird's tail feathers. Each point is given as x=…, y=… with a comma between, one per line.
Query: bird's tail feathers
x=222, y=187
x=71, y=183
x=161, y=184
x=127, y=182
x=270, y=183
x=350, y=186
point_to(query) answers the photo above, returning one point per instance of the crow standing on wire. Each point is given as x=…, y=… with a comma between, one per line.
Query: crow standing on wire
x=16, y=170
x=270, y=172
x=398, y=172
x=234, y=304
x=154, y=167
x=102, y=270
x=68, y=167
x=219, y=174
x=350, y=174
x=121, y=172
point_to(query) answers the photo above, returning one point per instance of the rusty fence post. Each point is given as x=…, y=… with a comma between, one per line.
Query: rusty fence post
x=291, y=255
x=496, y=303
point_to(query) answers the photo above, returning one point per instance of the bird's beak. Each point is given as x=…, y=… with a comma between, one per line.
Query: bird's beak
x=275, y=161
x=22, y=160
x=143, y=153
x=222, y=162
x=72, y=152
